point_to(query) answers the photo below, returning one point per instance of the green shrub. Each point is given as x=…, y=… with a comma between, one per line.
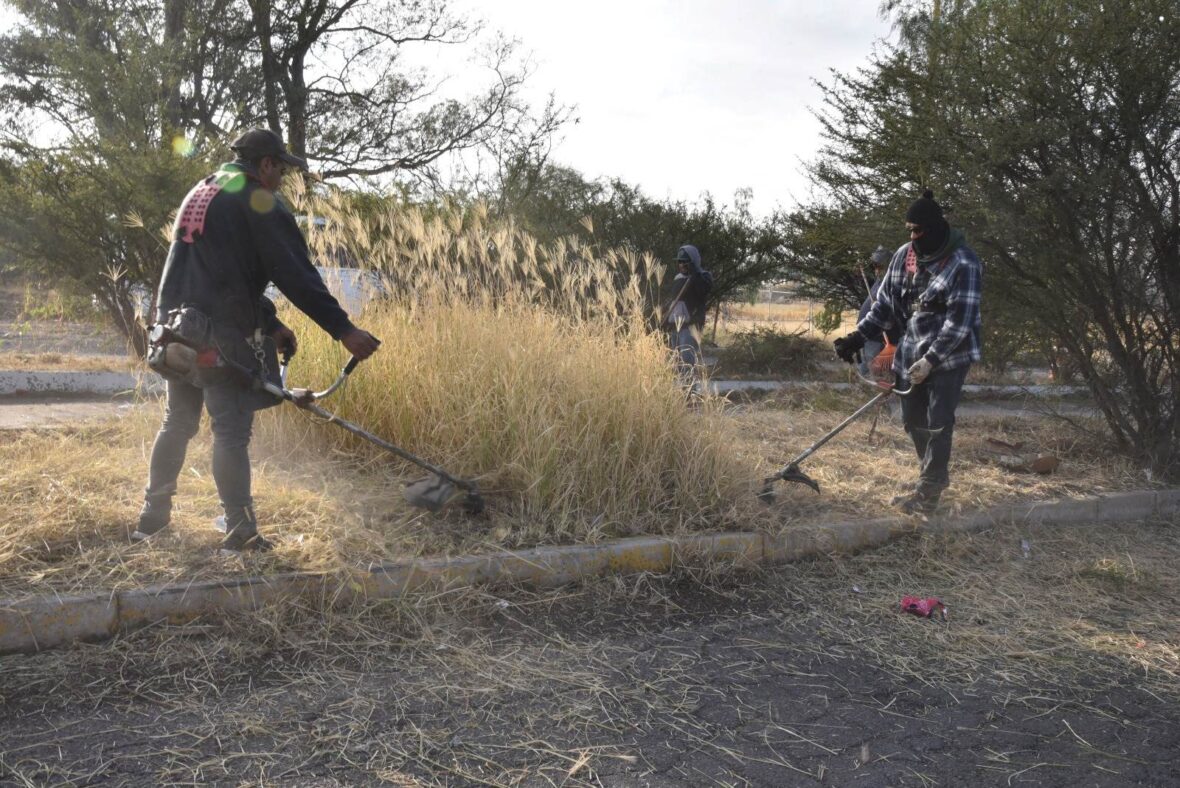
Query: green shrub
x=765, y=350
x=53, y=304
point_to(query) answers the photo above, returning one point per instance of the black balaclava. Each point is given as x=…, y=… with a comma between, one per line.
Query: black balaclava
x=926, y=213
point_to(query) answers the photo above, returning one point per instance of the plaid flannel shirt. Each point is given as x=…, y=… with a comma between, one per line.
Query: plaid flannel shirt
x=938, y=307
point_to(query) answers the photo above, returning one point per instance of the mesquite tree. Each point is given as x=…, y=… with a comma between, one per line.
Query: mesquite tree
x=1053, y=130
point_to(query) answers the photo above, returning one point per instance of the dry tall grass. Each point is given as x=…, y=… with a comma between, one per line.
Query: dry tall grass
x=527, y=366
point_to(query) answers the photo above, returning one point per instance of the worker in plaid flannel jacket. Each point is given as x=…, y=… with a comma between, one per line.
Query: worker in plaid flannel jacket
x=931, y=289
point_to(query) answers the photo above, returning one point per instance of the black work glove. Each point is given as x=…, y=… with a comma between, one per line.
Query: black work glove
x=848, y=348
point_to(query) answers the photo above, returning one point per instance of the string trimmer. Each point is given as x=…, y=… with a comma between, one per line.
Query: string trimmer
x=791, y=472
x=432, y=492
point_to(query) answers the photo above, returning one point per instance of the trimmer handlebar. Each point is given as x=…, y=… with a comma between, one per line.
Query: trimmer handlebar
x=886, y=386
x=792, y=473
x=312, y=396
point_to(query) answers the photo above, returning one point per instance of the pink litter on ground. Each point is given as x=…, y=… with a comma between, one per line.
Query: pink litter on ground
x=924, y=607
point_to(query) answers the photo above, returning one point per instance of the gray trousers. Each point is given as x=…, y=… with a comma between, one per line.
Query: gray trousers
x=929, y=417
x=232, y=416
x=688, y=349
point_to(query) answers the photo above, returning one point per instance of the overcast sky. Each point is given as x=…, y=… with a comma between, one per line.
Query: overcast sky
x=684, y=96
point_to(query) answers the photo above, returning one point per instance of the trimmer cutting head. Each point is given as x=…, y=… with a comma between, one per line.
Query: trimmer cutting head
x=434, y=492
x=431, y=493
x=789, y=474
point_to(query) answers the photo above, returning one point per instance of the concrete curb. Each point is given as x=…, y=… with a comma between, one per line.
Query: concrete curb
x=80, y=383
x=985, y=391
x=51, y=621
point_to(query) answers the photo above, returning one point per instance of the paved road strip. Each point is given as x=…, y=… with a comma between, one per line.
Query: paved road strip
x=21, y=382
x=111, y=383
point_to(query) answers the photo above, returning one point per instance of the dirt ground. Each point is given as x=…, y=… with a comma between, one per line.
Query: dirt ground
x=22, y=334
x=22, y=413
x=1057, y=667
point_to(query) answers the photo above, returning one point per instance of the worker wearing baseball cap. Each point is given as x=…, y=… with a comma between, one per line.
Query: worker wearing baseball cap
x=232, y=238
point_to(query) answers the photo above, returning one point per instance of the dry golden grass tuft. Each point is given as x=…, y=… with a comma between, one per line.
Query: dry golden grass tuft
x=64, y=362
x=527, y=366
x=578, y=429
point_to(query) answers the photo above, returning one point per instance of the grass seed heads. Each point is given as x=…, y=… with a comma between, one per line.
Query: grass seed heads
x=527, y=366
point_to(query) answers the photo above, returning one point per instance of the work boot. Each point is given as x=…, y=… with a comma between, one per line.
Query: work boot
x=918, y=503
x=153, y=517
x=895, y=501
x=242, y=532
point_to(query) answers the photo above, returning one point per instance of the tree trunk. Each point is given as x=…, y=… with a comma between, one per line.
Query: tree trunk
x=261, y=10
x=171, y=119
x=297, y=107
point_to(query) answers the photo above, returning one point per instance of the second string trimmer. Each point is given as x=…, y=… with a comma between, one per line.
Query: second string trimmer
x=791, y=472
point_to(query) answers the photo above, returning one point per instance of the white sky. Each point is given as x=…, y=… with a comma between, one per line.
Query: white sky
x=689, y=96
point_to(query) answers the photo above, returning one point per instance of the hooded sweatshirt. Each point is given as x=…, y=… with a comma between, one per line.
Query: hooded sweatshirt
x=691, y=289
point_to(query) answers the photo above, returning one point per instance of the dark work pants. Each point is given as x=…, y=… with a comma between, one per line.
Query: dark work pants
x=232, y=418
x=932, y=407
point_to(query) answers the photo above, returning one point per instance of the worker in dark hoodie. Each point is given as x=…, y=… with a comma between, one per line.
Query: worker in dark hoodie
x=232, y=237
x=932, y=290
x=684, y=317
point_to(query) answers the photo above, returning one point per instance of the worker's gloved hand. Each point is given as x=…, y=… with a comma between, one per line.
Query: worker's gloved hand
x=848, y=347
x=285, y=341
x=919, y=371
x=302, y=397
x=360, y=343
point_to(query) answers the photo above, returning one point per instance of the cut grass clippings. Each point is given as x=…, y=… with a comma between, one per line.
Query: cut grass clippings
x=1040, y=662
x=861, y=469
